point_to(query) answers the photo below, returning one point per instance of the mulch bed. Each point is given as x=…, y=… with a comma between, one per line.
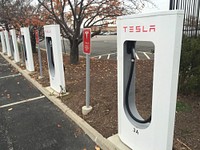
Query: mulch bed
x=104, y=98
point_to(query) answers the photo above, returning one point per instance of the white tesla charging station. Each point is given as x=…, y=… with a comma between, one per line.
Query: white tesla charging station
x=8, y=49
x=55, y=58
x=15, y=45
x=26, y=43
x=164, y=29
x=3, y=42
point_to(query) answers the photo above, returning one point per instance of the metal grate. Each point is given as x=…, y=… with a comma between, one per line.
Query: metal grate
x=192, y=15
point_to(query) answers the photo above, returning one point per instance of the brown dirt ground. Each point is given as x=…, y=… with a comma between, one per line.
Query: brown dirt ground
x=104, y=98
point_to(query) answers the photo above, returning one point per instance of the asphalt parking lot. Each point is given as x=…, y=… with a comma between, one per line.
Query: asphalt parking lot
x=105, y=47
x=29, y=121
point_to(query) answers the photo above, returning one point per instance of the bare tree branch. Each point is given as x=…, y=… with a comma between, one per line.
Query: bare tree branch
x=72, y=15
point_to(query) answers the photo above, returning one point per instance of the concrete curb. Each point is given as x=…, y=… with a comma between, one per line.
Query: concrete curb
x=104, y=143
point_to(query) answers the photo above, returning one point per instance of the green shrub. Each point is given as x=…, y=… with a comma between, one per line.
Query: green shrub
x=182, y=107
x=189, y=77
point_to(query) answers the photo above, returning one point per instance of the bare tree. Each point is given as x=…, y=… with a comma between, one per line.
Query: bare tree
x=14, y=12
x=136, y=6
x=5, y=8
x=72, y=15
x=20, y=13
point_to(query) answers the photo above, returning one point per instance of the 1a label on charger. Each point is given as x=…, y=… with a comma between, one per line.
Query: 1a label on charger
x=136, y=131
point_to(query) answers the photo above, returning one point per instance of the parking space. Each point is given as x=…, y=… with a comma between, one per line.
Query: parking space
x=144, y=55
x=29, y=121
x=140, y=55
x=39, y=125
x=16, y=88
x=6, y=69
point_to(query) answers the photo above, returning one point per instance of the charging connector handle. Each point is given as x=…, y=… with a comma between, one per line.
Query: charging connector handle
x=131, y=51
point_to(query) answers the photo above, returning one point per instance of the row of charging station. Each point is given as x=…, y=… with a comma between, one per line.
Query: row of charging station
x=54, y=53
x=9, y=44
x=164, y=29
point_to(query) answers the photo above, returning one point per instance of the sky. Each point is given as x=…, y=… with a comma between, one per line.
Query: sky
x=34, y=2
x=161, y=5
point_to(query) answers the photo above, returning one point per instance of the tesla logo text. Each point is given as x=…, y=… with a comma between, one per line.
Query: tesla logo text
x=86, y=34
x=47, y=31
x=150, y=28
x=86, y=40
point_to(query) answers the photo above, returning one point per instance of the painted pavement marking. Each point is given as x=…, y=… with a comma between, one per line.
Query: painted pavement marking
x=10, y=76
x=23, y=101
x=136, y=55
x=146, y=55
x=4, y=64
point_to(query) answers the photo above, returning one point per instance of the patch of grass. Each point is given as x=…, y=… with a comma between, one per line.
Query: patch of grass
x=182, y=107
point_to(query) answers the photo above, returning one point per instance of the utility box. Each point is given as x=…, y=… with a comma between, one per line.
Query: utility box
x=7, y=39
x=3, y=42
x=15, y=45
x=164, y=29
x=27, y=48
x=55, y=58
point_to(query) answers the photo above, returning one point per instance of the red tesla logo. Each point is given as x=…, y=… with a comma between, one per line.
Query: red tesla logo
x=150, y=28
x=47, y=31
x=86, y=40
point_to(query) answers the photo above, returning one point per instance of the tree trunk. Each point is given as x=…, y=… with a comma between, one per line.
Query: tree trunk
x=33, y=42
x=7, y=27
x=74, y=52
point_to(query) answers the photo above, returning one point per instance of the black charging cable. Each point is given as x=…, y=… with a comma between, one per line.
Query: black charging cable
x=130, y=49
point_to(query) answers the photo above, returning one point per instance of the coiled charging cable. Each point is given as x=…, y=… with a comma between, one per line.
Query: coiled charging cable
x=131, y=51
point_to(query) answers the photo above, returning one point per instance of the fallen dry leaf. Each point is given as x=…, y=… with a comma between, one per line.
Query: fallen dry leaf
x=8, y=95
x=97, y=148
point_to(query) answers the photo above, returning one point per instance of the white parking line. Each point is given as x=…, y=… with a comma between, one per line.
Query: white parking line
x=23, y=101
x=108, y=56
x=146, y=55
x=143, y=52
x=4, y=64
x=104, y=55
x=137, y=57
x=9, y=76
